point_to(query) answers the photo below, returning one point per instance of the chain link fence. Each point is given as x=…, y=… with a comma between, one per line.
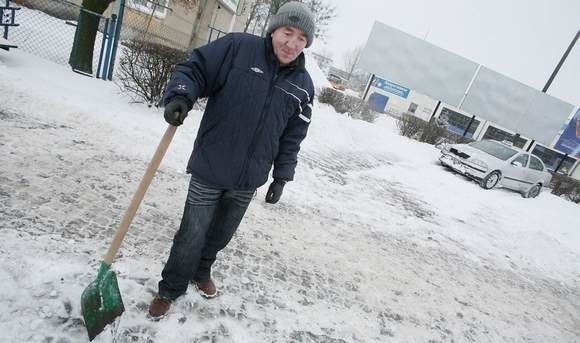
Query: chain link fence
x=47, y=29
x=215, y=34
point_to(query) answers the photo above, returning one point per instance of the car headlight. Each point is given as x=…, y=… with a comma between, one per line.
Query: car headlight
x=478, y=163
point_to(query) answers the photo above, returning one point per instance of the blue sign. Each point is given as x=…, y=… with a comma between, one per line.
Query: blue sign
x=569, y=141
x=391, y=87
x=378, y=102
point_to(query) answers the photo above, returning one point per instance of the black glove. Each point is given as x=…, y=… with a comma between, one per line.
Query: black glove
x=176, y=110
x=275, y=191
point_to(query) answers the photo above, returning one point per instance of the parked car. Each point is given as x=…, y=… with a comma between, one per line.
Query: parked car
x=494, y=163
x=337, y=82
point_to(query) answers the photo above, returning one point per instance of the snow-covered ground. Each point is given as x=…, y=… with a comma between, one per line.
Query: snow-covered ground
x=373, y=241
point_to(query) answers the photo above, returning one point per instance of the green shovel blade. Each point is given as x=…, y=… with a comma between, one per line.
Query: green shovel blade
x=101, y=301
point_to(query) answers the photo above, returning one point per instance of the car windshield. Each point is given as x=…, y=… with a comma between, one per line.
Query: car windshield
x=494, y=148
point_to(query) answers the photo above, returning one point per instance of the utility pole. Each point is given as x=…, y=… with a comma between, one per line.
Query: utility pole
x=561, y=62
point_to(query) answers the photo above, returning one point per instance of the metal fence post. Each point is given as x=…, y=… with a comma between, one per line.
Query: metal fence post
x=103, y=46
x=116, y=38
x=210, y=33
x=107, y=61
x=9, y=14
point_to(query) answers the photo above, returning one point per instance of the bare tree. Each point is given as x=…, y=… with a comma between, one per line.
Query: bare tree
x=257, y=14
x=351, y=59
x=324, y=13
x=276, y=4
x=145, y=69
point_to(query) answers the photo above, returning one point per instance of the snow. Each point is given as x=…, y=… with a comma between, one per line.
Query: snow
x=43, y=35
x=6, y=42
x=372, y=242
x=316, y=74
x=352, y=92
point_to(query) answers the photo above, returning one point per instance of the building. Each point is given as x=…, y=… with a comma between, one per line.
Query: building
x=166, y=22
x=410, y=75
x=180, y=25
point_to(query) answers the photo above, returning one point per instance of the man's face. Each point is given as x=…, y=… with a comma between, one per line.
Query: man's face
x=288, y=43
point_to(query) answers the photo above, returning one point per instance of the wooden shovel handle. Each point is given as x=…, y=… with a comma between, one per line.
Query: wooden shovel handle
x=139, y=194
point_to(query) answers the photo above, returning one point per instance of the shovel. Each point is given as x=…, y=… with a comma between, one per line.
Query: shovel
x=101, y=301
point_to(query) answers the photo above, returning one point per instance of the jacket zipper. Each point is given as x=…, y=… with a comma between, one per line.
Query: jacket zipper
x=258, y=130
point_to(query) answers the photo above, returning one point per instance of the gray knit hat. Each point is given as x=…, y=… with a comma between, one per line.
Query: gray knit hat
x=294, y=14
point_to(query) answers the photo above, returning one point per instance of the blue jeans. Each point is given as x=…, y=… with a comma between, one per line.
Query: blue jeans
x=210, y=219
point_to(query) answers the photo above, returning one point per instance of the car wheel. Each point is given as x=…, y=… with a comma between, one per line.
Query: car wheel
x=490, y=180
x=533, y=192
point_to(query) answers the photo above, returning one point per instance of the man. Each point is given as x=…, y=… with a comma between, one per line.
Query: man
x=257, y=114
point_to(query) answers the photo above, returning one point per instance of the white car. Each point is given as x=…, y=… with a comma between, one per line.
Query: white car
x=492, y=163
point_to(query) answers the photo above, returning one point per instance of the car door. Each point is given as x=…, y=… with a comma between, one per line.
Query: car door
x=514, y=175
x=535, y=171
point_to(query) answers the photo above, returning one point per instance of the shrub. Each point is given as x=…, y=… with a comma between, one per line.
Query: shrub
x=342, y=103
x=331, y=97
x=145, y=69
x=410, y=126
x=566, y=187
x=432, y=132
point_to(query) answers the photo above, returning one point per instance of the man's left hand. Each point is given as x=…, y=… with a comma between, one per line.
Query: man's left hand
x=275, y=191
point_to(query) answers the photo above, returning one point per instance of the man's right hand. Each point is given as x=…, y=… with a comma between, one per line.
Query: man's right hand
x=176, y=110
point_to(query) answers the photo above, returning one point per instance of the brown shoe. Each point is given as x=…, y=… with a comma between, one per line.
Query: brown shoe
x=159, y=307
x=207, y=289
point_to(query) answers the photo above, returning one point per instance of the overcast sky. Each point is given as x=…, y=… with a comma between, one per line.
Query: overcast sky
x=523, y=39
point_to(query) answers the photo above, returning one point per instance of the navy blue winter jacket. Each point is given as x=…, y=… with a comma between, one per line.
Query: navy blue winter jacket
x=257, y=112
